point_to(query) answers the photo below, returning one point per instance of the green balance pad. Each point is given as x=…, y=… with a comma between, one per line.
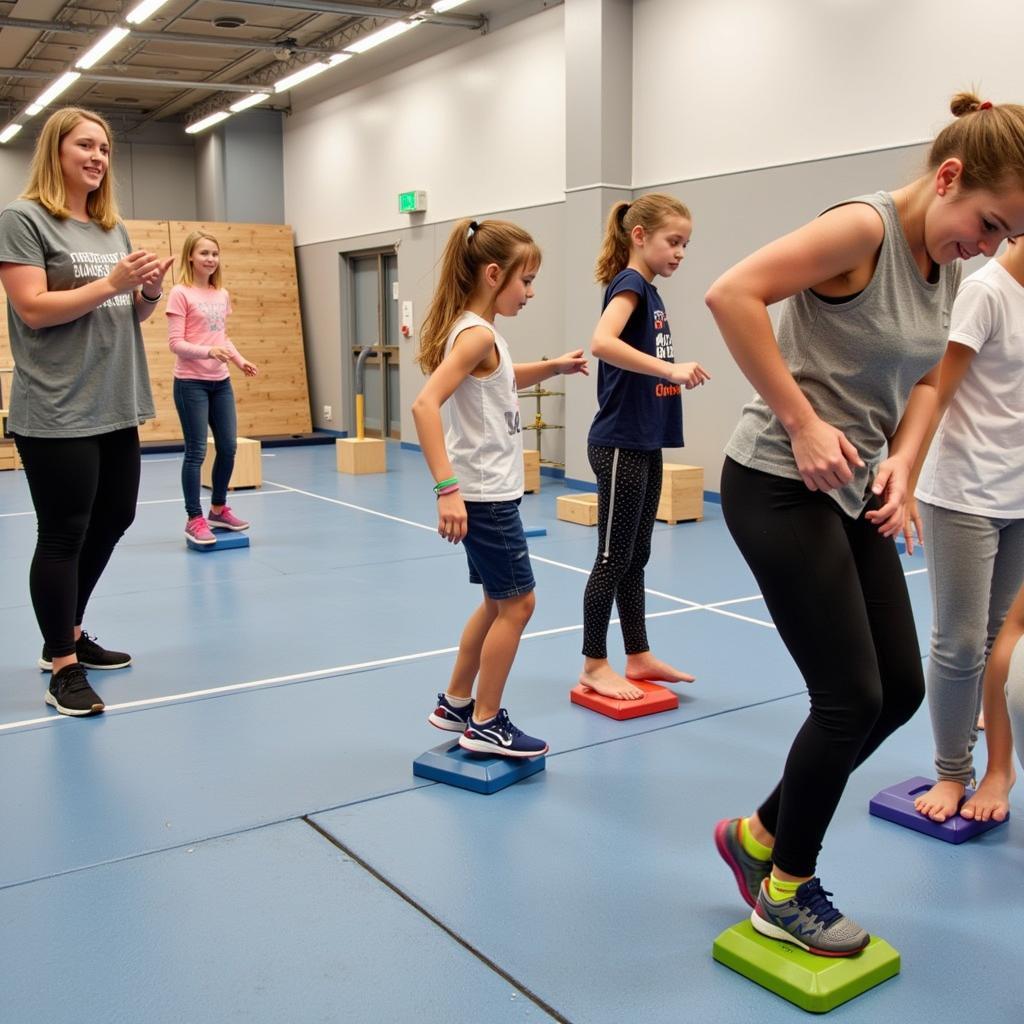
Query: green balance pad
x=815, y=983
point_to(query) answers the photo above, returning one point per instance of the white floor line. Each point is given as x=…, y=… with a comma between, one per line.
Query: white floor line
x=297, y=677
x=255, y=492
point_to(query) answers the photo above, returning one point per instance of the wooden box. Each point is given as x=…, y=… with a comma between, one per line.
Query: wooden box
x=682, y=494
x=9, y=456
x=361, y=455
x=247, y=472
x=577, y=508
x=531, y=471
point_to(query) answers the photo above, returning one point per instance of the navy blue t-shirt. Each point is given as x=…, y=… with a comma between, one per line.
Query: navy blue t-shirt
x=636, y=410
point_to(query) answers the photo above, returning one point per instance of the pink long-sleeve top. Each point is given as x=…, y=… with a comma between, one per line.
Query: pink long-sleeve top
x=196, y=319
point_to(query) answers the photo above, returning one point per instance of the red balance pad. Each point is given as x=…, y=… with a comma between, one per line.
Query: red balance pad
x=656, y=698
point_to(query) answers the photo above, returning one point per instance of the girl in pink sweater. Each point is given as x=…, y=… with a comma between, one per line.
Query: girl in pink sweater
x=197, y=311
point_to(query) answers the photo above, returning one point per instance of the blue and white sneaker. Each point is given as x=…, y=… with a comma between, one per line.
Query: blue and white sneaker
x=809, y=921
x=452, y=719
x=499, y=736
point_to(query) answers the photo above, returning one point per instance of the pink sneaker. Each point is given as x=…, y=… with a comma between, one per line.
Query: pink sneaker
x=225, y=519
x=198, y=531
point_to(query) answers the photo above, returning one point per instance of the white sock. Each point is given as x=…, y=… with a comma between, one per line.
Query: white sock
x=458, y=702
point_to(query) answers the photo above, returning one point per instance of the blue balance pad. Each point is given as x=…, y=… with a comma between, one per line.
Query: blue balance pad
x=896, y=804
x=481, y=773
x=224, y=541
x=535, y=531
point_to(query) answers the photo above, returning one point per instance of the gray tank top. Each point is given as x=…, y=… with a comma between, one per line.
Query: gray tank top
x=856, y=361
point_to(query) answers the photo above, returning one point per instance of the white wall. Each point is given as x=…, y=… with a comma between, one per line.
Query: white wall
x=480, y=127
x=727, y=85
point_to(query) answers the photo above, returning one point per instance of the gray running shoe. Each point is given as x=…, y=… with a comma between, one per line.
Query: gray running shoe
x=749, y=871
x=809, y=921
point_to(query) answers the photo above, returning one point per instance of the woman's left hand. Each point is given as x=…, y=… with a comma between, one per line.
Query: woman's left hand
x=891, y=483
x=155, y=280
x=250, y=369
x=572, y=362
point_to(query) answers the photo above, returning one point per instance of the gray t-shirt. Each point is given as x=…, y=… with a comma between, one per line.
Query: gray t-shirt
x=88, y=376
x=856, y=361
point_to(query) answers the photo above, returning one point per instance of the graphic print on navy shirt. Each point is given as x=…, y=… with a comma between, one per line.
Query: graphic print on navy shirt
x=635, y=410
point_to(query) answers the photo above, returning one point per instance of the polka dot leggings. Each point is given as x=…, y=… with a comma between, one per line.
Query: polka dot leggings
x=628, y=489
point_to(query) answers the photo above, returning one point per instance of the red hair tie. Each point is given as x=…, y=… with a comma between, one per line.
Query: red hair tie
x=987, y=105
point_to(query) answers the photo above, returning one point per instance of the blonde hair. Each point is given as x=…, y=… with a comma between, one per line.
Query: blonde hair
x=185, y=270
x=46, y=179
x=470, y=246
x=650, y=212
x=987, y=138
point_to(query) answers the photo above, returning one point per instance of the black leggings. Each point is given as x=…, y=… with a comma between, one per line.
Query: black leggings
x=836, y=592
x=628, y=489
x=84, y=491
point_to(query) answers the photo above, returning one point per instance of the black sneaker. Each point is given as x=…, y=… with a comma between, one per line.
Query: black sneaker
x=71, y=694
x=90, y=654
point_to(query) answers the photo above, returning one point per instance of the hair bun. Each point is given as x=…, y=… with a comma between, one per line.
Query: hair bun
x=965, y=103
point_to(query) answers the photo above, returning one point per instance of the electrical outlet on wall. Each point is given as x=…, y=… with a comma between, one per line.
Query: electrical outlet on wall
x=328, y=413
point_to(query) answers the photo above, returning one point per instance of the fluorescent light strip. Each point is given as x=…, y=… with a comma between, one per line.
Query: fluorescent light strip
x=208, y=122
x=310, y=71
x=105, y=45
x=64, y=82
x=143, y=11
x=446, y=5
x=249, y=101
x=9, y=132
x=396, y=28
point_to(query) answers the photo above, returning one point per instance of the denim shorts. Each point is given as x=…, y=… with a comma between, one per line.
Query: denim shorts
x=496, y=549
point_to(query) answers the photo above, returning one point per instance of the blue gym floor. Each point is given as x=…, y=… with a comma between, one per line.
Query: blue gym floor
x=240, y=836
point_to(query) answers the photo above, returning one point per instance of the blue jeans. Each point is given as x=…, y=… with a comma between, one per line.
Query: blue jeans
x=203, y=403
x=495, y=546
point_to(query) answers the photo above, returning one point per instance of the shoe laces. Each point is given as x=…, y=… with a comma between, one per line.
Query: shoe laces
x=816, y=901
x=74, y=679
x=504, y=723
x=87, y=637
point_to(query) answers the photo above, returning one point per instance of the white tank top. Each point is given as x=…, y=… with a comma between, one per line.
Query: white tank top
x=483, y=434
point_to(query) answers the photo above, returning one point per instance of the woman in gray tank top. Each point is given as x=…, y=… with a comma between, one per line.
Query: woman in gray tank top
x=817, y=471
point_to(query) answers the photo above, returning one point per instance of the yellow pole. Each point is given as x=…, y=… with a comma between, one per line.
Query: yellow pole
x=359, y=416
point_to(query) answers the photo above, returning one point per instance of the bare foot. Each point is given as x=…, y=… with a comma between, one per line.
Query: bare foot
x=991, y=801
x=941, y=801
x=647, y=667
x=603, y=679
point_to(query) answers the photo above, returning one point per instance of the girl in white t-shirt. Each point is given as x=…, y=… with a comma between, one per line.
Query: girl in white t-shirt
x=197, y=312
x=476, y=457
x=971, y=495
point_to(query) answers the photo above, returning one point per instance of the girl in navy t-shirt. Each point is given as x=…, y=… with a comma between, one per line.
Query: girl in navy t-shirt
x=638, y=389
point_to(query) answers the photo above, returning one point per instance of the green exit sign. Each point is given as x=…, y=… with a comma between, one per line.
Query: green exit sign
x=412, y=202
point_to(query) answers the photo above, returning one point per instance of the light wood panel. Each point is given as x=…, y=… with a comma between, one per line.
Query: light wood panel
x=265, y=325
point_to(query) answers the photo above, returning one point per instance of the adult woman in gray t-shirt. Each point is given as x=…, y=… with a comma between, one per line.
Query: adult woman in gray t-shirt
x=816, y=476
x=76, y=293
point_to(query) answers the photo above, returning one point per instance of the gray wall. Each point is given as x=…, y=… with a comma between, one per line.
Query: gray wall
x=537, y=332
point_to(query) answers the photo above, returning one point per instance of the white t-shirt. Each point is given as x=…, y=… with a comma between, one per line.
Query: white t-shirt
x=483, y=433
x=976, y=460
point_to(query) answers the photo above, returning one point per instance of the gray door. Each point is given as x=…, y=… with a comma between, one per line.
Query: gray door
x=375, y=322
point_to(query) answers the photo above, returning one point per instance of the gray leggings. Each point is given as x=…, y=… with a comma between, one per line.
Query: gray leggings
x=975, y=568
x=1015, y=697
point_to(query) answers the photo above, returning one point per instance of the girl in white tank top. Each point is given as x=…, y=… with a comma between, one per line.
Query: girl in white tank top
x=467, y=421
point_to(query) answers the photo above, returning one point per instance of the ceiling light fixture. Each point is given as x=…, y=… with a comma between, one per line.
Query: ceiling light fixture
x=310, y=71
x=101, y=48
x=249, y=101
x=9, y=132
x=208, y=122
x=396, y=28
x=143, y=11
x=445, y=5
x=49, y=95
